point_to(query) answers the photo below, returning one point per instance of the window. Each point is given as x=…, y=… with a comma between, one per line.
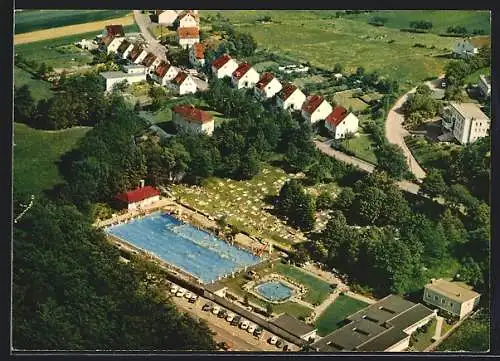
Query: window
x=435, y=298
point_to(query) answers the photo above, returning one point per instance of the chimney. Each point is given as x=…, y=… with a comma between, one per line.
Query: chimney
x=141, y=183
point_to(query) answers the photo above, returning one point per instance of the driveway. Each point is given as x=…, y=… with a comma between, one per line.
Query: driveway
x=154, y=46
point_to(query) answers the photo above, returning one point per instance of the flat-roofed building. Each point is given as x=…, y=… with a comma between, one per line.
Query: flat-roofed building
x=466, y=122
x=114, y=77
x=295, y=327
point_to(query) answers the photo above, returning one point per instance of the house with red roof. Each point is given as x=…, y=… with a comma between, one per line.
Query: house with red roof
x=189, y=18
x=113, y=30
x=151, y=61
x=290, y=97
x=315, y=108
x=111, y=43
x=138, y=54
x=197, y=55
x=138, y=198
x=125, y=51
x=183, y=83
x=187, y=37
x=223, y=66
x=164, y=73
x=187, y=116
x=245, y=76
x=267, y=86
x=340, y=122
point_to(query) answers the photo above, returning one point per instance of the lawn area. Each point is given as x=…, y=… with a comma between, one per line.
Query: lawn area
x=36, y=153
x=325, y=41
x=318, y=289
x=265, y=66
x=474, y=77
x=419, y=341
x=311, y=79
x=472, y=335
x=40, y=89
x=244, y=203
x=362, y=146
x=430, y=155
x=346, y=99
x=31, y=20
x=334, y=314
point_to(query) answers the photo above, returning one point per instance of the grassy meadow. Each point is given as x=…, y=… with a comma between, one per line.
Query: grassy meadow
x=40, y=89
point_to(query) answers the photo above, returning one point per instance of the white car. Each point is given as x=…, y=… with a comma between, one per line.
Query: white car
x=181, y=292
x=215, y=310
x=188, y=295
x=273, y=340
x=251, y=328
x=229, y=317
x=174, y=289
x=244, y=325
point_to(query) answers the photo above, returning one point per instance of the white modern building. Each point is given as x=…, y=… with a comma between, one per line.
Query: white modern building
x=453, y=297
x=112, y=78
x=167, y=17
x=485, y=85
x=466, y=122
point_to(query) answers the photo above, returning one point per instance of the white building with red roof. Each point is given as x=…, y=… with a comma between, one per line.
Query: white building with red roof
x=151, y=61
x=183, y=83
x=197, y=55
x=340, y=122
x=315, y=108
x=188, y=19
x=290, y=97
x=188, y=116
x=188, y=36
x=245, y=76
x=112, y=43
x=138, y=198
x=223, y=66
x=138, y=54
x=267, y=86
x=164, y=73
x=113, y=30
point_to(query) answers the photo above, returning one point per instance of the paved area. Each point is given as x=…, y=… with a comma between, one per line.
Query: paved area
x=154, y=46
x=439, y=325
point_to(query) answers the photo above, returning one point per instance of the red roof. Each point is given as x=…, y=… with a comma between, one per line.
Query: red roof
x=138, y=195
x=106, y=40
x=180, y=77
x=162, y=69
x=287, y=90
x=136, y=51
x=337, y=116
x=188, y=33
x=265, y=79
x=149, y=59
x=241, y=70
x=115, y=30
x=221, y=61
x=190, y=113
x=312, y=103
x=199, y=51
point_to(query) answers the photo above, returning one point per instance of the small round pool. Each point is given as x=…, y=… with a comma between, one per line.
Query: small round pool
x=274, y=291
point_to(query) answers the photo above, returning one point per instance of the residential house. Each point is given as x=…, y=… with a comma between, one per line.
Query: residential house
x=113, y=30
x=123, y=47
x=290, y=97
x=134, y=69
x=466, y=122
x=138, y=54
x=187, y=37
x=267, y=86
x=138, y=198
x=164, y=73
x=167, y=17
x=183, y=84
x=127, y=51
x=315, y=108
x=244, y=76
x=112, y=78
x=386, y=325
x=453, y=297
x=223, y=66
x=340, y=122
x=485, y=85
x=197, y=55
x=295, y=327
x=151, y=61
x=111, y=43
x=470, y=46
x=189, y=19
x=188, y=116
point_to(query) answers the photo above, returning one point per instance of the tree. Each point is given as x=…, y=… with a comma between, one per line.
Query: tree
x=344, y=199
x=245, y=300
x=250, y=164
x=368, y=205
x=471, y=273
x=324, y=201
x=298, y=206
x=269, y=309
x=24, y=105
x=360, y=71
x=458, y=194
x=338, y=68
x=392, y=160
x=433, y=184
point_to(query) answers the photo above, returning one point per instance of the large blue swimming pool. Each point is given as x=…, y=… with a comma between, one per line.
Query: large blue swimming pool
x=194, y=251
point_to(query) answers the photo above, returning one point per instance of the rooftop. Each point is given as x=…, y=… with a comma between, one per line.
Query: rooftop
x=241, y=70
x=292, y=325
x=199, y=50
x=288, y=89
x=469, y=110
x=190, y=113
x=337, y=116
x=480, y=41
x=188, y=33
x=116, y=74
x=265, y=79
x=221, y=61
x=180, y=77
x=452, y=290
x=135, y=52
x=149, y=59
x=138, y=194
x=312, y=103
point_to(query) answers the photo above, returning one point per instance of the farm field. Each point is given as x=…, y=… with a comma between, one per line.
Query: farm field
x=32, y=20
x=63, y=31
x=40, y=89
x=334, y=314
x=325, y=41
x=36, y=153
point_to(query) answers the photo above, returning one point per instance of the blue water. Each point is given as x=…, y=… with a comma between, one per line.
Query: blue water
x=182, y=245
x=274, y=290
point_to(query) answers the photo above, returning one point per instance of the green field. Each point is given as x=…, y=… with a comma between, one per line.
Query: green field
x=31, y=20
x=332, y=317
x=346, y=99
x=421, y=340
x=362, y=146
x=352, y=42
x=36, y=153
x=473, y=78
x=60, y=52
x=40, y=89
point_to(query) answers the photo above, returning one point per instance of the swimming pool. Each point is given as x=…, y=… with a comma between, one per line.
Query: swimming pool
x=274, y=291
x=195, y=251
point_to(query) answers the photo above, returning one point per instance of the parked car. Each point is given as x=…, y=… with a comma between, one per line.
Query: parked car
x=174, y=289
x=188, y=295
x=279, y=344
x=181, y=292
x=272, y=340
x=222, y=313
x=258, y=331
x=251, y=328
x=229, y=317
x=244, y=324
x=216, y=310
x=248, y=308
x=236, y=320
x=193, y=299
x=207, y=307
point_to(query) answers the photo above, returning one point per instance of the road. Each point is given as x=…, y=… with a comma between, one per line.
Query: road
x=154, y=46
x=367, y=167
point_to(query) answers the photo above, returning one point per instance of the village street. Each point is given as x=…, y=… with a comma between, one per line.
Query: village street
x=143, y=21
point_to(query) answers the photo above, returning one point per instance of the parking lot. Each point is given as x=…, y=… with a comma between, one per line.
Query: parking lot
x=234, y=336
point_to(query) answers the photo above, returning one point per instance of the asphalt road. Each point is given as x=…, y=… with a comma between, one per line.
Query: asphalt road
x=154, y=46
